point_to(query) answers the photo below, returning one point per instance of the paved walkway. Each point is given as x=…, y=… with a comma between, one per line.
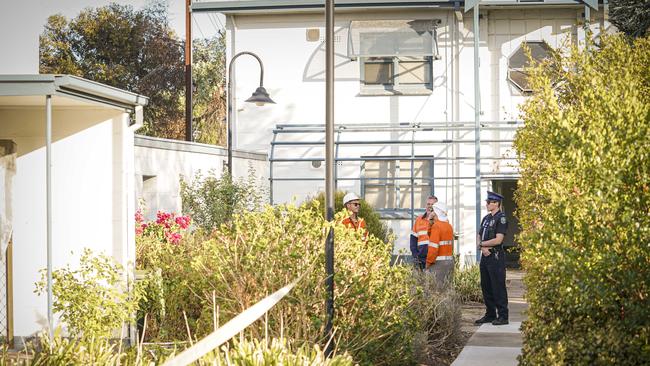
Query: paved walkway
x=498, y=345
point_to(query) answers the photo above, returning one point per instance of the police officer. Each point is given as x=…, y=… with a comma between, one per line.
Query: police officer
x=493, y=262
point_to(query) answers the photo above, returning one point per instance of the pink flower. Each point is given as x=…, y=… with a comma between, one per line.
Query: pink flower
x=173, y=238
x=138, y=216
x=183, y=221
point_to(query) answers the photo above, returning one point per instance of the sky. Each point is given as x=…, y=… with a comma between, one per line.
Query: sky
x=204, y=25
x=22, y=21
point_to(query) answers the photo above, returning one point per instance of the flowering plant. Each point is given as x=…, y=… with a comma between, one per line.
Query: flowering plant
x=167, y=227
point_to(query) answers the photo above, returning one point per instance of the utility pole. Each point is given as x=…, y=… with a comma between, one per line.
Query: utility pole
x=188, y=71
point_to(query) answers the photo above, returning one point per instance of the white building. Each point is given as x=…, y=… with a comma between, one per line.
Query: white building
x=404, y=72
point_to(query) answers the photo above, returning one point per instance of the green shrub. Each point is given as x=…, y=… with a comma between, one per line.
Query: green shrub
x=258, y=253
x=374, y=225
x=278, y=352
x=438, y=309
x=44, y=351
x=467, y=282
x=584, y=207
x=212, y=201
x=93, y=300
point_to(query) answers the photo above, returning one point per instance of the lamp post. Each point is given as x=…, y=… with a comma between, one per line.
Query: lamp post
x=329, y=171
x=260, y=97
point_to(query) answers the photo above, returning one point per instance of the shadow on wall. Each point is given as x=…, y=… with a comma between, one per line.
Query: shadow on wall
x=346, y=69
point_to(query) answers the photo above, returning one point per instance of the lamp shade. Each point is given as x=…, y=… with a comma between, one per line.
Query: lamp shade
x=260, y=97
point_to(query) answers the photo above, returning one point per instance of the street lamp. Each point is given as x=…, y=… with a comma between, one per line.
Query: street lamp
x=260, y=97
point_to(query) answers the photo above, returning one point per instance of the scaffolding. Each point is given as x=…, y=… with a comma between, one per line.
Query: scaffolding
x=407, y=137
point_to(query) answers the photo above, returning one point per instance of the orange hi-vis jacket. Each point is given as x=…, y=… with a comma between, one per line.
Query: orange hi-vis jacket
x=360, y=224
x=421, y=232
x=441, y=238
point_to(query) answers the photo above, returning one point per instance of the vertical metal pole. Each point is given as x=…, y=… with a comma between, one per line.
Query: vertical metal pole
x=329, y=169
x=477, y=121
x=48, y=184
x=188, y=71
x=230, y=99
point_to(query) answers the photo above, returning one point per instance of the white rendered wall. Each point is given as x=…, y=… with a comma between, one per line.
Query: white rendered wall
x=165, y=162
x=92, y=172
x=294, y=76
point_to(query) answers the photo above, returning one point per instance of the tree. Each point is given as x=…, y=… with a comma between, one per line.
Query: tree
x=136, y=50
x=208, y=72
x=631, y=17
x=584, y=199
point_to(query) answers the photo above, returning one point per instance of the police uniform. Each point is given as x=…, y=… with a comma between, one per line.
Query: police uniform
x=493, y=267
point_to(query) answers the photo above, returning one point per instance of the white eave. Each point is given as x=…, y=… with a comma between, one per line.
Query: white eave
x=69, y=86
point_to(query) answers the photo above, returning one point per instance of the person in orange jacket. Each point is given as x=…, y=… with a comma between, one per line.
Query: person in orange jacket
x=419, y=238
x=353, y=205
x=440, y=258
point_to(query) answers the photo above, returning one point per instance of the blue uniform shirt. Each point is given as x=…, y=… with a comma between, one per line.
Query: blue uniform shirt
x=493, y=225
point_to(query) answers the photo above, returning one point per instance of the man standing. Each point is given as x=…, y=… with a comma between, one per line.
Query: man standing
x=419, y=240
x=441, y=237
x=353, y=221
x=493, y=262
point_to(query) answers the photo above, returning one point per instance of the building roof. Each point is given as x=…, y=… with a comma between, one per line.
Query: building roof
x=68, y=86
x=293, y=6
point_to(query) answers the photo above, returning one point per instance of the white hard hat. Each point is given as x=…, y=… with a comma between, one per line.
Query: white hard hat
x=350, y=196
x=441, y=210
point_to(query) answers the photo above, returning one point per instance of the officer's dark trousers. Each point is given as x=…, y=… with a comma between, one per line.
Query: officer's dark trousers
x=493, y=285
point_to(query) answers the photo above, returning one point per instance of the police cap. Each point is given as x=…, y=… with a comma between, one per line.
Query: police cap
x=492, y=196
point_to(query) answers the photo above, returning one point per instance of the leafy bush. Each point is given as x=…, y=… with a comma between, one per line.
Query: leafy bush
x=374, y=225
x=467, y=282
x=259, y=252
x=81, y=352
x=278, y=352
x=93, y=300
x=212, y=201
x=584, y=199
x=439, y=312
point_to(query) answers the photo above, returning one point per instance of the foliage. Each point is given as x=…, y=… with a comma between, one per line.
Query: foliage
x=168, y=227
x=631, y=17
x=467, y=282
x=137, y=50
x=438, y=310
x=72, y=352
x=584, y=206
x=209, y=100
x=82, y=352
x=93, y=300
x=373, y=222
x=212, y=201
x=259, y=252
x=278, y=352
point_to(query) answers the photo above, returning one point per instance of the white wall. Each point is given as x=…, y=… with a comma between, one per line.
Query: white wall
x=92, y=170
x=160, y=164
x=294, y=76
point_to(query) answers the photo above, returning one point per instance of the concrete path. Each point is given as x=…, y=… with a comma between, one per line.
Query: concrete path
x=498, y=345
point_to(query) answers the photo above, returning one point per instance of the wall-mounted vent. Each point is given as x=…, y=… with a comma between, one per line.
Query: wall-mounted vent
x=313, y=34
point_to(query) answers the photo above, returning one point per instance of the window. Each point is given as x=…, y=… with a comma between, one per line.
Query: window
x=386, y=184
x=519, y=61
x=393, y=73
x=394, y=55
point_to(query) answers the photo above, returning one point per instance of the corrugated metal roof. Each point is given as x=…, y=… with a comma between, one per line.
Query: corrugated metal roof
x=287, y=6
x=294, y=6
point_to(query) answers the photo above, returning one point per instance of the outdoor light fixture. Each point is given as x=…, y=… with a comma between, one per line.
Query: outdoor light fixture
x=260, y=97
